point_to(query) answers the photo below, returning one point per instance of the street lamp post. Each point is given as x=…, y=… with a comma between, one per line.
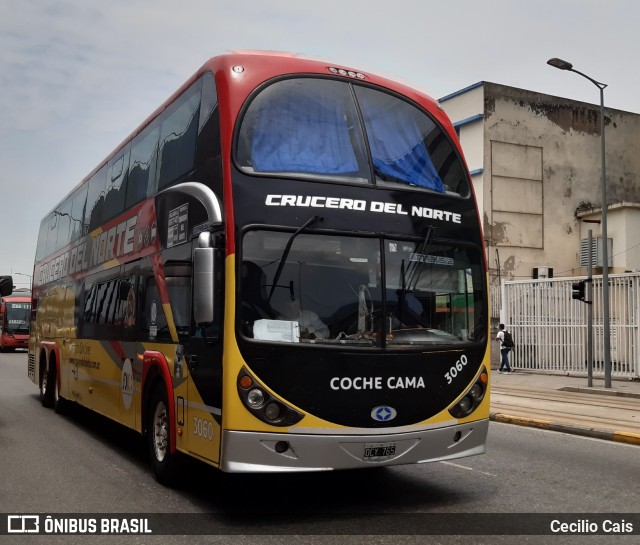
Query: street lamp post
x=564, y=65
x=28, y=275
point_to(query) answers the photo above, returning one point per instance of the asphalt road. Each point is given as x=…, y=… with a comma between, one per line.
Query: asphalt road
x=82, y=463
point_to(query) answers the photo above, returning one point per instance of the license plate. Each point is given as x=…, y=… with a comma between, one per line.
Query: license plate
x=378, y=451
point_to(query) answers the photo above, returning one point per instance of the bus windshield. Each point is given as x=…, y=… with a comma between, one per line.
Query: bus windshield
x=319, y=129
x=17, y=317
x=367, y=291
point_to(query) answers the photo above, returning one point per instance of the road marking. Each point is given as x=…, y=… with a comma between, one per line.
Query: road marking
x=469, y=469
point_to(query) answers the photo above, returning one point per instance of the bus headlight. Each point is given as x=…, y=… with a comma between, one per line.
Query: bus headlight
x=255, y=398
x=472, y=397
x=465, y=404
x=263, y=405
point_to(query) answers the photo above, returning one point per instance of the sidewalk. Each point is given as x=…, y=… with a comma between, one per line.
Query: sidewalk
x=567, y=404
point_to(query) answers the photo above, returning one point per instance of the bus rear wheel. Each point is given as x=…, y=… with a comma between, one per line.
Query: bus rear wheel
x=48, y=385
x=159, y=425
x=60, y=404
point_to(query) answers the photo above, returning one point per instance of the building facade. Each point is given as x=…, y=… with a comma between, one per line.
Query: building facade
x=535, y=161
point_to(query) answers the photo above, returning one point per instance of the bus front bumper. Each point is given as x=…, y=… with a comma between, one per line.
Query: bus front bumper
x=254, y=452
x=16, y=342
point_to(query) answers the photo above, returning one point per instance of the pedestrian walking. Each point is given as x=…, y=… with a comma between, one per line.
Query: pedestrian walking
x=506, y=344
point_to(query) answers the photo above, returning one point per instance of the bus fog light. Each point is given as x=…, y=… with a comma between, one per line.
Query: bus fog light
x=255, y=398
x=272, y=411
x=465, y=404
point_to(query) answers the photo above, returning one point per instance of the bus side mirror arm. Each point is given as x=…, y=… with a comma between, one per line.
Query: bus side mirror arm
x=203, y=280
x=204, y=194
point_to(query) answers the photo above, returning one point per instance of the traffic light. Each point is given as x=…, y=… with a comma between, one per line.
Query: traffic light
x=578, y=290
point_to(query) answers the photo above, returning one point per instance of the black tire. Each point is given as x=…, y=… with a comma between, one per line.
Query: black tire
x=163, y=462
x=60, y=404
x=48, y=385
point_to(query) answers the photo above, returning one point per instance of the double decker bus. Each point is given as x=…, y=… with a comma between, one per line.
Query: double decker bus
x=15, y=309
x=281, y=269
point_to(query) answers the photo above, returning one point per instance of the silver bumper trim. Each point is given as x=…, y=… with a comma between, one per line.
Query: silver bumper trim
x=254, y=452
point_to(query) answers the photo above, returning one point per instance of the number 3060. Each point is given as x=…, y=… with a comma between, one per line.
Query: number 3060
x=455, y=369
x=202, y=428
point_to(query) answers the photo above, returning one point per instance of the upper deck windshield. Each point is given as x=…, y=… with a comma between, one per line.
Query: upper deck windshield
x=373, y=292
x=318, y=128
x=17, y=317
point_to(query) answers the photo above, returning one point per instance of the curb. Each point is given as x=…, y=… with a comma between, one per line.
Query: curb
x=617, y=436
x=599, y=391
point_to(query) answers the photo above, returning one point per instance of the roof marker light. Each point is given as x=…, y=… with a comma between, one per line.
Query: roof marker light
x=349, y=73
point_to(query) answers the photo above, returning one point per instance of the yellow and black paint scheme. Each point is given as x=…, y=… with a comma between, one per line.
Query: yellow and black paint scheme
x=104, y=335
x=114, y=304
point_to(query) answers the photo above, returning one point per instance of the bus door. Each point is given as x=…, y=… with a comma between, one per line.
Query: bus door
x=204, y=361
x=189, y=271
x=203, y=357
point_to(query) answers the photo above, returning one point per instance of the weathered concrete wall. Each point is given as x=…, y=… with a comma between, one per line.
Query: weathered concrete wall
x=541, y=162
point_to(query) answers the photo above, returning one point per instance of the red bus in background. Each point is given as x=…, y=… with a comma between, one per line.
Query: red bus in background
x=14, y=320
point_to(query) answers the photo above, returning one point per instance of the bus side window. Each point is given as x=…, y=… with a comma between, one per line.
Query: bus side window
x=153, y=323
x=64, y=224
x=110, y=308
x=129, y=298
x=116, y=186
x=52, y=234
x=209, y=101
x=90, y=304
x=209, y=148
x=142, y=171
x=79, y=200
x=41, y=248
x=93, y=216
x=178, y=136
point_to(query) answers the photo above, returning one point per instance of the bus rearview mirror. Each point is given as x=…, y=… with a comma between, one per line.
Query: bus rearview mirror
x=203, y=280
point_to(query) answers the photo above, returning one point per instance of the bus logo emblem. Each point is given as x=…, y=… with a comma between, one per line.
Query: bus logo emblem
x=383, y=413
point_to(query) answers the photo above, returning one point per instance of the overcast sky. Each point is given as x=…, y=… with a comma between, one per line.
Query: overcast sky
x=77, y=76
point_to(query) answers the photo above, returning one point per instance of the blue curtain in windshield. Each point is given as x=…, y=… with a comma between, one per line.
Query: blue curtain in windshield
x=396, y=133
x=301, y=126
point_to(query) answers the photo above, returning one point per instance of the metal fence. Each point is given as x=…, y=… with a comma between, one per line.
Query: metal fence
x=550, y=328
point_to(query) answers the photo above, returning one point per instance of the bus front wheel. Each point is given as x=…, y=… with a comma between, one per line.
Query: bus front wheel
x=163, y=460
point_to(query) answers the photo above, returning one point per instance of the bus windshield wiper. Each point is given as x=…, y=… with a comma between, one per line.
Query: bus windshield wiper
x=415, y=268
x=287, y=249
